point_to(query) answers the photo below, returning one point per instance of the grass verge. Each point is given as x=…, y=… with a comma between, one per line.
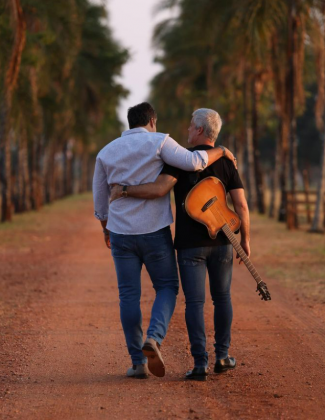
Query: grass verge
x=295, y=258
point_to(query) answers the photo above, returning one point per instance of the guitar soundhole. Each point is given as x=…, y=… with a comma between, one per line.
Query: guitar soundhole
x=232, y=222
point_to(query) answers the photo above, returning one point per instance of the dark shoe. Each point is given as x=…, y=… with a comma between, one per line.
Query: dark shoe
x=197, y=374
x=155, y=361
x=224, y=364
x=138, y=372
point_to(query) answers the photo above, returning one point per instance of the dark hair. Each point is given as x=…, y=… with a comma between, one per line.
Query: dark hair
x=139, y=115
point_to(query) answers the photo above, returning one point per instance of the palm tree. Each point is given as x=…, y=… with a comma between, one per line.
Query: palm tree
x=11, y=76
x=64, y=107
x=262, y=45
x=192, y=53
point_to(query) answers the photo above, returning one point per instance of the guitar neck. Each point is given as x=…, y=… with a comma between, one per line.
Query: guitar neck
x=228, y=232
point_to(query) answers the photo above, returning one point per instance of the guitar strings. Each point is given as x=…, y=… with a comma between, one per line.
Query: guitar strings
x=215, y=211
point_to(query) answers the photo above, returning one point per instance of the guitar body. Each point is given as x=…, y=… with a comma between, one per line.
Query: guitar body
x=211, y=193
x=207, y=204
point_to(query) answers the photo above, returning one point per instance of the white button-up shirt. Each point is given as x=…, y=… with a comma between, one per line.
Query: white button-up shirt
x=137, y=157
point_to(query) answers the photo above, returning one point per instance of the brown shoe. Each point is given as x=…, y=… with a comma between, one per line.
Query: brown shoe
x=155, y=361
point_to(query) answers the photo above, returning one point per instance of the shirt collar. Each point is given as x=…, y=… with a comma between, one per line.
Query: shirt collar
x=202, y=147
x=134, y=131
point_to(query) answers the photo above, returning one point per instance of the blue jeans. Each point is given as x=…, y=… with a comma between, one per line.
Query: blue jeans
x=193, y=263
x=155, y=251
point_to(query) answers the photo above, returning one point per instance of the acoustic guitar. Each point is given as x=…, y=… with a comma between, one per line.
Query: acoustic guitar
x=206, y=203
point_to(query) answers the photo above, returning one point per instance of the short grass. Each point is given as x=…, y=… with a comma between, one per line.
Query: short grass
x=295, y=258
x=26, y=225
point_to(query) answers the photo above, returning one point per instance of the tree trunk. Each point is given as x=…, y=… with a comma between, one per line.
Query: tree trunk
x=76, y=174
x=50, y=174
x=240, y=141
x=290, y=89
x=257, y=166
x=84, y=172
x=279, y=76
x=5, y=164
x=35, y=193
x=37, y=178
x=5, y=110
x=24, y=167
x=284, y=171
x=318, y=221
x=276, y=173
x=19, y=178
x=22, y=196
x=250, y=173
x=18, y=188
x=209, y=77
x=67, y=170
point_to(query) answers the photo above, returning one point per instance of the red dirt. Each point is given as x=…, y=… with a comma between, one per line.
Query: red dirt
x=63, y=354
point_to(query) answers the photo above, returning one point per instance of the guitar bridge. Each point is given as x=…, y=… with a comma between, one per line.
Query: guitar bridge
x=209, y=204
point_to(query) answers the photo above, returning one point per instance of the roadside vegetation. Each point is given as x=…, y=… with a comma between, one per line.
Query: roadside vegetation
x=261, y=64
x=58, y=98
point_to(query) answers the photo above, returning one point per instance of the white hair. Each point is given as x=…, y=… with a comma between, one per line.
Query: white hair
x=209, y=120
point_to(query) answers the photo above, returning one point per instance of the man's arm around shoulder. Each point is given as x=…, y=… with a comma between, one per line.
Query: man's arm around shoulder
x=163, y=184
x=176, y=155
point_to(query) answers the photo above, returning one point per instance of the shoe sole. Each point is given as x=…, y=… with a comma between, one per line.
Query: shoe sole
x=142, y=376
x=155, y=362
x=198, y=378
x=223, y=370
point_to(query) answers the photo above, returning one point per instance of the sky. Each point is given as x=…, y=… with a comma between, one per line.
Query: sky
x=132, y=23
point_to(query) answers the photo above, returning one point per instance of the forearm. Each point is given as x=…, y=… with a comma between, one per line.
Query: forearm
x=218, y=152
x=214, y=154
x=146, y=191
x=176, y=155
x=243, y=213
x=106, y=233
x=163, y=184
x=103, y=223
x=100, y=192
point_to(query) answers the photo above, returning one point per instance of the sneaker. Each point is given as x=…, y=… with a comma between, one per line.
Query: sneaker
x=138, y=372
x=156, y=364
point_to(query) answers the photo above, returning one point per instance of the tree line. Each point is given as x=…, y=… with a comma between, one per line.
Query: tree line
x=252, y=60
x=58, y=98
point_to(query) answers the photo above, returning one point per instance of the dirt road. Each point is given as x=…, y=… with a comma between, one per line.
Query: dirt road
x=63, y=354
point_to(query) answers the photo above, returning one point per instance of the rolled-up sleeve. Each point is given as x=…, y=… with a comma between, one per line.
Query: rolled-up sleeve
x=175, y=155
x=101, y=192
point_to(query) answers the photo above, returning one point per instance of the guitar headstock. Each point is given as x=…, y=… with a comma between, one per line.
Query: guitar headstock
x=263, y=291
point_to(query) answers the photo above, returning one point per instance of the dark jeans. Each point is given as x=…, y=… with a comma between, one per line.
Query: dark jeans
x=155, y=251
x=193, y=263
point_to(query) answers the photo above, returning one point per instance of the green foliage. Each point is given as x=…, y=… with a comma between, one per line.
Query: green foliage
x=66, y=86
x=214, y=48
x=62, y=106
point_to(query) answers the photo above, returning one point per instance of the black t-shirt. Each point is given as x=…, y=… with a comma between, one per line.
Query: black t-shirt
x=189, y=233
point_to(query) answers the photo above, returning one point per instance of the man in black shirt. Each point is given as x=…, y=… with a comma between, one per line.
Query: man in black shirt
x=196, y=251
